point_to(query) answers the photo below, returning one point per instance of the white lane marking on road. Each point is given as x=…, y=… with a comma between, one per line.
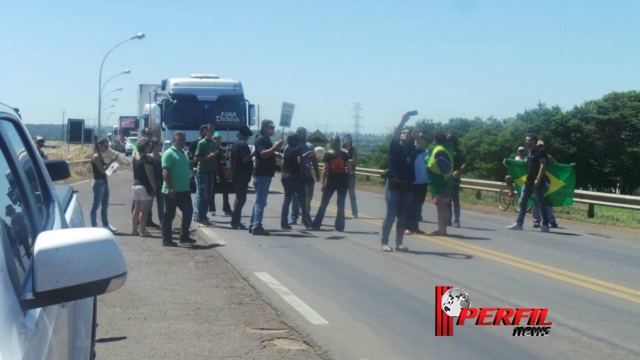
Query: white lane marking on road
x=293, y=300
x=215, y=238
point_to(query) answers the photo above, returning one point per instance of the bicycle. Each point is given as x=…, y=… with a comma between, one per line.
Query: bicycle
x=505, y=199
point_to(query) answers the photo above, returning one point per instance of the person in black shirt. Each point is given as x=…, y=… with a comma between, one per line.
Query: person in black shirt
x=292, y=180
x=241, y=170
x=221, y=159
x=399, y=185
x=100, y=184
x=263, y=172
x=334, y=179
x=459, y=166
x=536, y=163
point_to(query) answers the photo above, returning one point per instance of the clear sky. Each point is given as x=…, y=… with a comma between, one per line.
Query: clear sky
x=444, y=58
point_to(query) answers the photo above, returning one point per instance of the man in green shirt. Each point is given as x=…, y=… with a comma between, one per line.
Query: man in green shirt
x=175, y=172
x=205, y=156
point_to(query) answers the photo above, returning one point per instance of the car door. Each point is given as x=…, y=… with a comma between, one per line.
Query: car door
x=47, y=332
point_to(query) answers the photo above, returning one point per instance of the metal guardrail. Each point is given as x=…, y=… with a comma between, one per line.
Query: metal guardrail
x=580, y=196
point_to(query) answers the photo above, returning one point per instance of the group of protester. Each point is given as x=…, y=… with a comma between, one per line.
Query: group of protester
x=414, y=169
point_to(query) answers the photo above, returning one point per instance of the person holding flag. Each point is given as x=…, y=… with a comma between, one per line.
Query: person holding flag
x=536, y=166
x=440, y=169
x=535, y=210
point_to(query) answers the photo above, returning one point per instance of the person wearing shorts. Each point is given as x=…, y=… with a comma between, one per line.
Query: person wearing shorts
x=144, y=188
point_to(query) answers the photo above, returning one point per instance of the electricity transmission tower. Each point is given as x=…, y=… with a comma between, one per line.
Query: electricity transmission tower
x=356, y=123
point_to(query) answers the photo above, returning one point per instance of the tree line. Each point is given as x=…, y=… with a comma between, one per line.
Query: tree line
x=602, y=137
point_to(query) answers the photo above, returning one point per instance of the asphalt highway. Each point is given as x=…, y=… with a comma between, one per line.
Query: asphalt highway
x=356, y=302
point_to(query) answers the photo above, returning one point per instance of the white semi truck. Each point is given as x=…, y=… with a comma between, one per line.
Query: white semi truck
x=183, y=104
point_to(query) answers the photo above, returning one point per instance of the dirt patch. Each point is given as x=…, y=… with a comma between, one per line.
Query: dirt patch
x=285, y=344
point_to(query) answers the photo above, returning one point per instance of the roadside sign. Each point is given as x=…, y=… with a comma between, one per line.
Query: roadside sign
x=317, y=139
x=286, y=115
x=75, y=131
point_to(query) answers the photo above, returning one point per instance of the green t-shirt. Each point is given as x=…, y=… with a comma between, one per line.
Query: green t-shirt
x=204, y=149
x=177, y=163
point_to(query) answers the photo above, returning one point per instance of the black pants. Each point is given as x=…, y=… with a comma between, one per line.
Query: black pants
x=342, y=187
x=182, y=200
x=225, y=197
x=419, y=196
x=293, y=185
x=241, y=199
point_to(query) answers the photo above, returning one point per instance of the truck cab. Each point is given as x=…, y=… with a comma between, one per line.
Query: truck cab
x=183, y=104
x=52, y=268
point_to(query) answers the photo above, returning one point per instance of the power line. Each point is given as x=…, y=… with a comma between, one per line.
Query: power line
x=356, y=123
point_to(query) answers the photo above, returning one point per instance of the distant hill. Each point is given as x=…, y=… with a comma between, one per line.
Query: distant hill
x=52, y=131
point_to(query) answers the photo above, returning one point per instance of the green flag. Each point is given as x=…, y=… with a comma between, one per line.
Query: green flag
x=559, y=181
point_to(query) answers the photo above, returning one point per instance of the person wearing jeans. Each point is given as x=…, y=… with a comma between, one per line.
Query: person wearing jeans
x=459, y=166
x=264, y=171
x=156, y=146
x=291, y=178
x=100, y=184
x=399, y=184
x=309, y=182
x=206, y=157
x=334, y=179
x=241, y=169
x=347, y=145
x=420, y=188
x=175, y=172
x=536, y=161
x=221, y=157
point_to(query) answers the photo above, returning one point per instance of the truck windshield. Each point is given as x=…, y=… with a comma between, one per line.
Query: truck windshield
x=225, y=112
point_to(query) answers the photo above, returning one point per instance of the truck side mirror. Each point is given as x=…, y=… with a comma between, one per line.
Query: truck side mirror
x=252, y=115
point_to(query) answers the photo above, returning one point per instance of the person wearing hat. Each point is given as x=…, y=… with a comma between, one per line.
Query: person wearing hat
x=241, y=165
x=221, y=156
x=522, y=156
x=535, y=210
x=536, y=166
x=39, y=141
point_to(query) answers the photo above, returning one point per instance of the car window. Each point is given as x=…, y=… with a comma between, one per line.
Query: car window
x=15, y=224
x=26, y=163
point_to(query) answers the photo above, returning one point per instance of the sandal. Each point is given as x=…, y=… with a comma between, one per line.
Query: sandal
x=402, y=248
x=387, y=248
x=145, y=234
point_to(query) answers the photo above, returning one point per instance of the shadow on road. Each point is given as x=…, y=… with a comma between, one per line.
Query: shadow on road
x=448, y=255
x=463, y=237
x=111, y=339
x=362, y=232
x=565, y=233
x=479, y=229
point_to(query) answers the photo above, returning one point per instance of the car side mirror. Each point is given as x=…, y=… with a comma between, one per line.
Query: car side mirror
x=74, y=264
x=57, y=169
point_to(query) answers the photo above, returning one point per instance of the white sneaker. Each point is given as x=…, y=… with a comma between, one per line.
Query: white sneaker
x=515, y=226
x=111, y=228
x=544, y=228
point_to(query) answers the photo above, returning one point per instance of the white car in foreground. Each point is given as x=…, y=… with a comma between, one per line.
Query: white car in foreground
x=52, y=267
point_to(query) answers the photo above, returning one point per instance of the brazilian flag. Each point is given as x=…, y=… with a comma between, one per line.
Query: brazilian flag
x=439, y=165
x=558, y=183
x=133, y=145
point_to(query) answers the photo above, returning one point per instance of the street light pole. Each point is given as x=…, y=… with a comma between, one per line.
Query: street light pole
x=140, y=36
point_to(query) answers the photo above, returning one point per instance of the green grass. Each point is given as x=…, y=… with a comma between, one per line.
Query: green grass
x=604, y=215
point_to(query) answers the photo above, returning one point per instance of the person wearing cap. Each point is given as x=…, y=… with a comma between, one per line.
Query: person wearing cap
x=459, y=166
x=39, y=141
x=205, y=155
x=522, y=156
x=535, y=210
x=221, y=156
x=241, y=164
x=536, y=163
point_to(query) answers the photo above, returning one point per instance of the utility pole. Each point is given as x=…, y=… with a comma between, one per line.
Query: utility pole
x=62, y=132
x=356, y=123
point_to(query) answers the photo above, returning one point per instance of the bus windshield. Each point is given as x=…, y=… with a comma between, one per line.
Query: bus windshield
x=225, y=112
